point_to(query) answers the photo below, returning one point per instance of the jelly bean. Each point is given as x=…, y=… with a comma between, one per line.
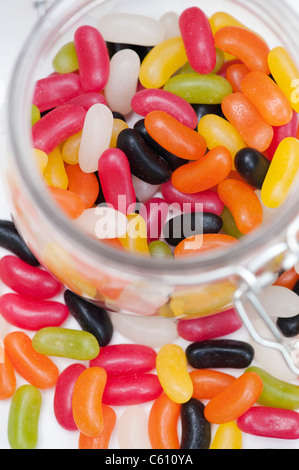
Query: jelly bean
x=289, y=326
x=144, y=191
x=155, y=213
x=222, y=353
x=66, y=342
x=229, y=224
x=285, y=74
x=217, y=131
x=199, y=89
x=87, y=100
x=220, y=57
x=208, y=200
x=93, y=58
x=86, y=185
x=209, y=383
x=102, y=441
x=170, y=22
x=118, y=191
x=196, y=430
x=229, y=63
x=63, y=396
x=211, y=327
x=132, y=429
x=55, y=174
x=198, y=39
x=174, y=136
x=253, y=166
x=135, y=240
x=70, y=149
x=281, y=133
x=159, y=249
x=244, y=116
x=118, y=126
x=274, y=423
x=235, y=74
x=56, y=90
x=34, y=367
x=145, y=163
x=162, y=62
x=90, y=317
x=56, y=126
x=244, y=45
x=23, y=419
x=221, y=19
x=204, y=109
x=201, y=175
x=8, y=381
x=173, y=374
x=35, y=114
x=87, y=401
x=96, y=137
x=227, y=437
x=288, y=279
x=11, y=240
x=114, y=47
x=70, y=203
x=125, y=359
x=203, y=243
x=163, y=422
x=65, y=60
x=41, y=160
x=131, y=29
x=104, y=223
x=131, y=389
x=146, y=101
x=243, y=203
x=282, y=173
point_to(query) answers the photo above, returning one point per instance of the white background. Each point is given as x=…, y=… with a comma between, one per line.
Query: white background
x=17, y=18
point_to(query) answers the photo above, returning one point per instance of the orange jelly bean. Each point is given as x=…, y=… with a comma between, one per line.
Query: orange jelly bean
x=205, y=173
x=288, y=279
x=174, y=136
x=86, y=185
x=235, y=74
x=235, y=400
x=243, y=203
x=202, y=243
x=102, y=440
x=209, y=383
x=246, y=46
x=7, y=379
x=245, y=117
x=70, y=203
x=163, y=422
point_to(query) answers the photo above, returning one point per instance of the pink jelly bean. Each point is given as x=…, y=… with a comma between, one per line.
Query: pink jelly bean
x=57, y=126
x=64, y=394
x=281, y=133
x=125, y=359
x=31, y=314
x=28, y=280
x=209, y=200
x=116, y=180
x=154, y=212
x=198, y=40
x=131, y=389
x=206, y=328
x=87, y=100
x=269, y=422
x=93, y=58
x=148, y=100
x=56, y=90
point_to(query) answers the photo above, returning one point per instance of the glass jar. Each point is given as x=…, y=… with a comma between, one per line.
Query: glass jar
x=116, y=280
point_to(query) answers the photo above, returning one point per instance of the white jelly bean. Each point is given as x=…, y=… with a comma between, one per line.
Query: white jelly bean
x=170, y=22
x=102, y=222
x=280, y=302
x=132, y=429
x=144, y=191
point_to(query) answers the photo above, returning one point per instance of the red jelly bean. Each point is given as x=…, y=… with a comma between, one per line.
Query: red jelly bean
x=56, y=90
x=28, y=280
x=56, y=126
x=31, y=314
x=87, y=100
x=93, y=58
x=281, y=133
x=63, y=396
x=198, y=40
x=235, y=74
x=223, y=71
x=131, y=389
x=214, y=326
x=268, y=422
x=125, y=359
x=154, y=212
x=148, y=100
x=116, y=180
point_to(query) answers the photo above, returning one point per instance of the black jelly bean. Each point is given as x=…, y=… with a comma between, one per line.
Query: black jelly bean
x=114, y=47
x=296, y=288
x=90, y=317
x=204, y=109
x=118, y=115
x=173, y=160
x=144, y=162
x=215, y=354
x=189, y=224
x=289, y=326
x=11, y=240
x=253, y=166
x=196, y=430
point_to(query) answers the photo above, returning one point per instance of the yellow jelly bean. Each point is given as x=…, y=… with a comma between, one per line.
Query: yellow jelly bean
x=171, y=365
x=281, y=174
x=55, y=174
x=162, y=62
x=228, y=437
x=135, y=240
x=286, y=74
x=41, y=160
x=70, y=149
x=118, y=126
x=221, y=19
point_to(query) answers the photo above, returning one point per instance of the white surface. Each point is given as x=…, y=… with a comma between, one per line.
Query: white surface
x=17, y=17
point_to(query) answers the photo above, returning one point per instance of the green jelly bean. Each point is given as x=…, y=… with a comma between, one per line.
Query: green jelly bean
x=160, y=249
x=229, y=224
x=220, y=58
x=276, y=393
x=23, y=418
x=68, y=343
x=66, y=60
x=199, y=89
x=35, y=114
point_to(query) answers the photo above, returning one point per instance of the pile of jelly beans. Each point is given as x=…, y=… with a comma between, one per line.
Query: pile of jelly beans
x=191, y=384
x=185, y=128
